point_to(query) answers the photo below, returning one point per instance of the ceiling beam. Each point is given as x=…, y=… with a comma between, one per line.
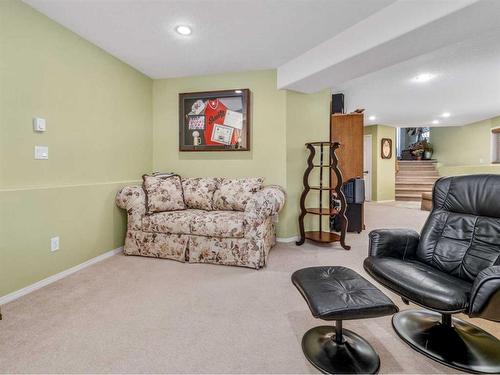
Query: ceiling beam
x=400, y=31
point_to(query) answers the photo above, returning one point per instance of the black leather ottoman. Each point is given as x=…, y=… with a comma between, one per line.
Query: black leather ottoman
x=339, y=293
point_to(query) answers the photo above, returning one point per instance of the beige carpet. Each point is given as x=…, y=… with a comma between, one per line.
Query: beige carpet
x=140, y=315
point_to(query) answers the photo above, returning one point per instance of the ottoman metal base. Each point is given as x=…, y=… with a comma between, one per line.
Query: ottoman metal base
x=331, y=353
x=450, y=341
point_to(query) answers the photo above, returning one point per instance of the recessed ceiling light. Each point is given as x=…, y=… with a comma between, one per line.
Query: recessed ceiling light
x=371, y=118
x=424, y=77
x=183, y=30
x=435, y=122
x=446, y=114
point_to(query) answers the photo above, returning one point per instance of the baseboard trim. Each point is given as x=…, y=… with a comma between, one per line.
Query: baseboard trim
x=286, y=239
x=58, y=276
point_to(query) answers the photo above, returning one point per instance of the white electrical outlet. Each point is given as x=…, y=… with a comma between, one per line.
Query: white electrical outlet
x=54, y=244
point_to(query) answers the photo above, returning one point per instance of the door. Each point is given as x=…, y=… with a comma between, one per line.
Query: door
x=367, y=166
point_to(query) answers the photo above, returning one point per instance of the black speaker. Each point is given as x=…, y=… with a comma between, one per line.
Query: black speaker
x=354, y=192
x=337, y=103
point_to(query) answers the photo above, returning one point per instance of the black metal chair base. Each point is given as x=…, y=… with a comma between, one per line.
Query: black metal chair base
x=352, y=355
x=452, y=342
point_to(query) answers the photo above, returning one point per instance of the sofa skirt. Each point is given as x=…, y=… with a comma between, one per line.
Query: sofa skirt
x=243, y=252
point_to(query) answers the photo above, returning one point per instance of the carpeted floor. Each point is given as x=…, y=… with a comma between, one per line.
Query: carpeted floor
x=141, y=315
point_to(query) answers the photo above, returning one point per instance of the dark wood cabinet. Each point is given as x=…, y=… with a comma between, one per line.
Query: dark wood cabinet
x=347, y=129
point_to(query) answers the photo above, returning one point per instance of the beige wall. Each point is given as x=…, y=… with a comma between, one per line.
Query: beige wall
x=383, y=170
x=464, y=149
x=99, y=120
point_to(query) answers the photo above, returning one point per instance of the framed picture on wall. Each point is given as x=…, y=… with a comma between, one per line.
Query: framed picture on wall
x=214, y=121
x=386, y=148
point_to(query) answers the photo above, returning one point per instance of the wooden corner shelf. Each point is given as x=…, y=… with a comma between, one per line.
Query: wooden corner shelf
x=334, y=191
x=322, y=211
x=330, y=188
x=323, y=237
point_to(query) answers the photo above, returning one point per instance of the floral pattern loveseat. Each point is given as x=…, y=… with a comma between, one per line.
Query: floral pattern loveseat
x=226, y=221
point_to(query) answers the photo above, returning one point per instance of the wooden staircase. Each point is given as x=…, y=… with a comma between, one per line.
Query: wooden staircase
x=415, y=177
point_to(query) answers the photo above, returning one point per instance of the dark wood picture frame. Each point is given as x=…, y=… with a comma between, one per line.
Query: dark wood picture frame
x=383, y=141
x=197, y=126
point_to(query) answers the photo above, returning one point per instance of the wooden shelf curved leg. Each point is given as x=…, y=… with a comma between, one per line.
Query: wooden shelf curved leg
x=340, y=194
x=305, y=181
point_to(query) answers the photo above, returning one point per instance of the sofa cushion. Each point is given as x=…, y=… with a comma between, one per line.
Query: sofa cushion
x=218, y=224
x=233, y=194
x=175, y=222
x=163, y=193
x=199, y=192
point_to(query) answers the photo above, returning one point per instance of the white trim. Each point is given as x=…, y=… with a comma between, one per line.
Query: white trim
x=287, y=239
x=58, y=276
x=367, y=156
x=389, y=200
x=494, y=142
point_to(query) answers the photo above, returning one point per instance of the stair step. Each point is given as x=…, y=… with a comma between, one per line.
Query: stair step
x=413, y=188
x=417, y=161
x=419, y=173
x=417, y=168
x=415, y=182
x=423, y=179
x=407, y=191
x=415, y=177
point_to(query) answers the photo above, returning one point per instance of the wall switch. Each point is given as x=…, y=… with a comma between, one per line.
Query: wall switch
x=39, y=124
x=41, y=152
x=54, y=243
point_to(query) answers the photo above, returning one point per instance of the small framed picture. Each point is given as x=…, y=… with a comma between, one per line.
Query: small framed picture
x=386, y=148
x=214, y=121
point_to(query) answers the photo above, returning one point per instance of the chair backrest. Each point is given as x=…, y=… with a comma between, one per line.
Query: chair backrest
x=462, y=234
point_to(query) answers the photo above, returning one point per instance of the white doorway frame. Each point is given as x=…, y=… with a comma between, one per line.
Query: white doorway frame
x=367, y=165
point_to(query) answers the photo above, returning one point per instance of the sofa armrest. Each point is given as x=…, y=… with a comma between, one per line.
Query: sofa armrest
x=131, y=198
x=396, y=243
x=266, y=202
x=485, y=294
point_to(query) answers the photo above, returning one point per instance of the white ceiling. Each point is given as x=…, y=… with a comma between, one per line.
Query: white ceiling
x=228, y=35
x=467, y=85
x=368, y=49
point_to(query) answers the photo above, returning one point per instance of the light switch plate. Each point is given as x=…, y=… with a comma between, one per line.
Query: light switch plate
x=39, y=124
x=54, y=244
x=41, y=152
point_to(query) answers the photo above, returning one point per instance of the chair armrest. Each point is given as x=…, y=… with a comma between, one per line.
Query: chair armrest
x=132, y=199
x=396, y=243
x=266, y=202
x=485, y=294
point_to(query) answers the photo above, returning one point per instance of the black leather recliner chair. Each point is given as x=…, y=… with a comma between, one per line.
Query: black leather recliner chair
x=453, y=266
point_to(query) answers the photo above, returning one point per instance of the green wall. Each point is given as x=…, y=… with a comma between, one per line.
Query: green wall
x=383, y=170
x=464, y=149
x=267, y=157
x=307, y=120
x=99, y=121
x=107, y=125
x=281, y=122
